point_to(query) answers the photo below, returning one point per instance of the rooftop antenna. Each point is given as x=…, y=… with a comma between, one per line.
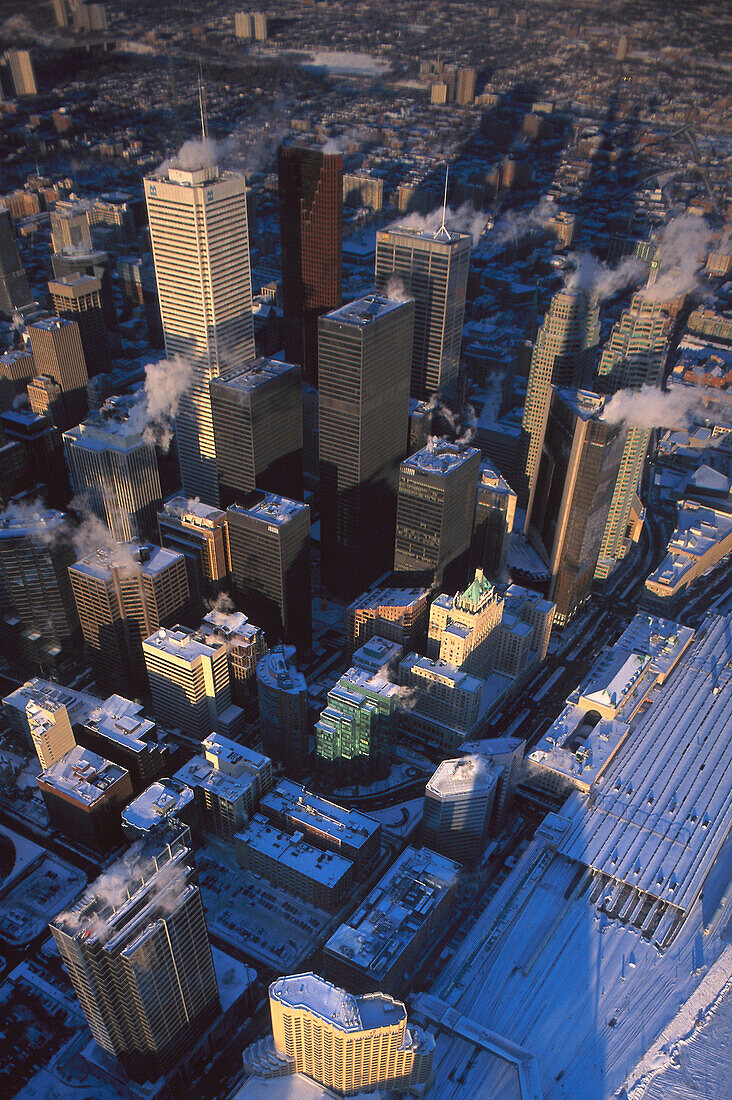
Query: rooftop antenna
x=443, y=228
x=202, y=101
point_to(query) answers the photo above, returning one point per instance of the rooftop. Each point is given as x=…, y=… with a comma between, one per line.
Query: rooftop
x=326, y=867
x=584, y=403
x=119, y=424
x=127, y=557
x=42, y=524
x=122, y=720
x=467, y=773
x=390, y=597
x=162, y=799
x=441, y=236
x=387, y=920
x=578, y=747
x=278, y=670
x=254, y=374
x=315, y=813
x=46, y=694
x=440, y=458
x=270, y=508
x=363, y=311
x=437, y=669
x=334, y=1005
x=192, y=511
x=184, y=644
x=83, y=776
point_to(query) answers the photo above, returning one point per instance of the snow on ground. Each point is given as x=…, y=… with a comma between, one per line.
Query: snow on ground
x=252, y=915
x=399, y=821
x=27, y=909
x=398, y=774
x=345, y=63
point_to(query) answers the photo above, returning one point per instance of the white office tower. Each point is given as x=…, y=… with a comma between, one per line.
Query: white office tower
x=115, y=469
x=458, y=802
x=200, y=241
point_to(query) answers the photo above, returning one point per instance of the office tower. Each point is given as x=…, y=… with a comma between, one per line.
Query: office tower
x=391, y=930
x=243, y=25
x=283, y=709
x=269, y=551
x=634, y=356
x=257, y=426
x=353, y=736
x=118, y=730
x=364, y=356
x=88, y=261
x=579, y=465
x=70, y=228
x=41, y=626
x=22, y=72
x=465, y=89
x=531, y=608
x=123, y=595
x=46, y=400
x=445, y=703
x=345, y=1043
x=245, y=647
x=45, y=693
x=114, y=468
x=228, y=782
x=311, y=227
x=562, y=356
x=17, y=367
x=458, y=803
x=435, y=511
x=14, y=288
x=432, y=268
x=259, y=20
x=495, y=508
x=398, y=614
x=200, y=242
x=44, y=452
x=84, y=795
x=198, y=532
x=79, y=298
x=461, y=626
x=51, y=731
x=59, y=354
x=137, y=951
x=189, y=680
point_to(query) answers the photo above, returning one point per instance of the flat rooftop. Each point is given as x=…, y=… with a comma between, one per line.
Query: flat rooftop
x=162, y=799
x=363, y=311
x=463, y=775
x=184, y=644
x=335, y=1005
x=35, y=523
x=441, y=458
x=257, y=373
x=578, y=748
x=312, y=812
x=199, y=773
x=586, y=404
x=429, y=669
x=122, y=720
x=389, y=597
x=191, y=510
x=126, y=556
x=45, y=693
x=387, y=920
x=278, y=670
x=83, y=776
x=295, y=852
x=428, y=236
x=119, y=424
x=270, y=508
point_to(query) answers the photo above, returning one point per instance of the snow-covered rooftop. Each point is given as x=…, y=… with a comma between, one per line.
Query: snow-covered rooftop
x=325, y=867
x=306, y=810
x=467, y=773
x=441, y=458
x=336, y=1006
x=164, y=798
x=278, y=670
x=257, y=373
x=363, y=311
x=82, y=775
x=122, y=720
x=184, y=644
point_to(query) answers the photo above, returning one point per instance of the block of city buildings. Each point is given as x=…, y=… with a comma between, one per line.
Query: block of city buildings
x=435, y=509
x=84, y=796
x=495, y=509
x=269, y=547
x=200, y=243
x=320, y=877
x=364, y=360
x=41, y=625
x=343, y=1042
x=139, y=911
x=198, y=532
x=443, y=704
x=385, y=938
x=114, y=469
x=49, y=697
x=119, y=730
x=462, y=627
x=356, y=729
x=257, y=425
x=458, y=806
x=283, y=708
x=228, y=781
x=122, y=595
x=432, y=268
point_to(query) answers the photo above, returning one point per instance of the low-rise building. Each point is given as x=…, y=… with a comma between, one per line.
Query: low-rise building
x=118, y=730
x=398, y=614
x=377, y=655
x=386, y=936
x=703, y=536
x=228, y=782
x=162, y=800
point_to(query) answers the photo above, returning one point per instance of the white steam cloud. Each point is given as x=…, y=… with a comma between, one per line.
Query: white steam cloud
x=600, y=281
x=650, y=407
x=682, y=246
x=513, y=225
x=396, y=289
x=466, y=219
x=156, y=404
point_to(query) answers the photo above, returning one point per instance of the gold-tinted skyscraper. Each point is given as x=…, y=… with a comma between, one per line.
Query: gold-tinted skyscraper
x=200, y=239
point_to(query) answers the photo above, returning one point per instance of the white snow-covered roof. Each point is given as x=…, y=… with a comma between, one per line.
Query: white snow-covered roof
x=467, y=773
x=337, y=1006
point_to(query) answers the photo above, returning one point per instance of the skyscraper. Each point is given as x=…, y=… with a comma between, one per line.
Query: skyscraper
x=495, y=508
x=198, y=532
x=435, y=512
x=115, y=469
x=269, y=547
x=123, y=595
x=44, y=451
x=137, y=952
x=562, y=356
x=59, y=354
x=634, y=356
x=432, y=268
x=350, y=1044
x=22, y=72
x=257, y=423
x=200, y=240
x=41, y=625
x=458, y=803
x=364, y=360
x=580, y=459
x=245, y=647
x=14, y=288
x=189, y=680
x=283, y=708
x=78, y=297
x=353, y=736
x=311, y=227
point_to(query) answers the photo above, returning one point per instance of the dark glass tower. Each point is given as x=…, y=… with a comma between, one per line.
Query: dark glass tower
x=365, y=355
x=257, y=421
x=14, y=288
x=311, y=226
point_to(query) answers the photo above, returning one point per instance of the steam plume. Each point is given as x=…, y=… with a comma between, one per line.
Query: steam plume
x=651, y=407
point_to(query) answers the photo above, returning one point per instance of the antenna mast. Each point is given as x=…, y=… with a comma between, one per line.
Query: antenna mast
x=443, y=228
x=202, y=101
